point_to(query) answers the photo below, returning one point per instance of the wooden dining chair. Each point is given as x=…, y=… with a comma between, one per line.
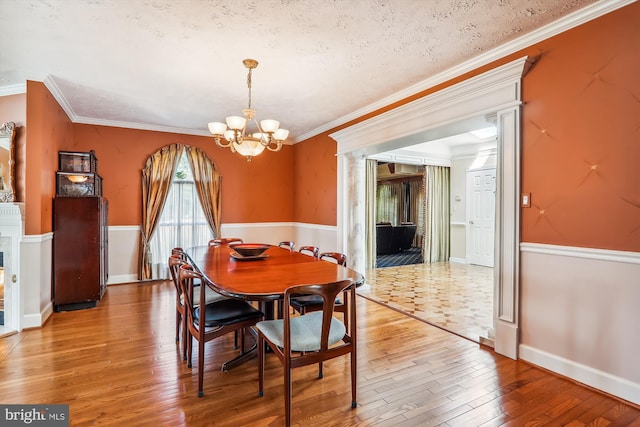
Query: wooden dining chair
x=310, y=338
x=225, y=241
x=309, y=303
x=219, y=318
x=314, y=251
x=287, y=245
x=175, y=261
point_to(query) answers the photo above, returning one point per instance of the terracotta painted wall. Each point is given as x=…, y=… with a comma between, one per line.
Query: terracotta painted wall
x=259, y=191
x=315, y=168
x=49, y=129
x=581, y=133
x=581, y=136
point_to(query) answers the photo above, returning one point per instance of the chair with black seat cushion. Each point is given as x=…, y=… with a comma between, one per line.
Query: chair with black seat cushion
x=209, y=321
x=177, y=259
x=225, y=241
x=287, y=245
x=311, y=303
x=310, y=338
x=314, y=251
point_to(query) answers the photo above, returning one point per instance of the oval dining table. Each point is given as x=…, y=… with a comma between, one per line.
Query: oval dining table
x=263, y=279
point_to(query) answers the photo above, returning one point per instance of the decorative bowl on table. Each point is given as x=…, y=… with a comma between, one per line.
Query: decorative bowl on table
x=249, y=249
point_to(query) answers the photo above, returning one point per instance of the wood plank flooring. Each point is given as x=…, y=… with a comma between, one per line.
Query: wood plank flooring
x=118, y=365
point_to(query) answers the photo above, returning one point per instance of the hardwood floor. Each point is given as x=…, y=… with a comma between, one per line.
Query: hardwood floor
x=118, y=365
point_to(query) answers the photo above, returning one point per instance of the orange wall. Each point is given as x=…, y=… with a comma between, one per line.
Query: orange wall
x=259, y=191
x=583, y=173
x=315, y=168
x=581, y=136
x=49, y=130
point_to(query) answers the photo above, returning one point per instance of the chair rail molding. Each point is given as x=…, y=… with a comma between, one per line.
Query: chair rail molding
x=495, y=92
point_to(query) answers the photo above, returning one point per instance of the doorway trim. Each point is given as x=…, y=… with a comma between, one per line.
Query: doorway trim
x=454, y=109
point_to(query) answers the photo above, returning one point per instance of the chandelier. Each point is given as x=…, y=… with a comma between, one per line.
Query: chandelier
x=234, y=133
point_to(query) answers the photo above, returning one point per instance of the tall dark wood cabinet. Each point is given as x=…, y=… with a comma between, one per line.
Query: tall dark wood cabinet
x=80, y=251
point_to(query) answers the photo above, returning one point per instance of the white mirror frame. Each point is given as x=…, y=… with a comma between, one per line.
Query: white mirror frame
x=7, y=141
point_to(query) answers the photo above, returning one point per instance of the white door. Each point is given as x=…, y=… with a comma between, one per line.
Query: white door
x=482, y=210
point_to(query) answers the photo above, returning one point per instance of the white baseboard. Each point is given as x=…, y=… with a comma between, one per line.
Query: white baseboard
x=608, y=383
x=122, y=278
x=37, y=320
x=458, y=260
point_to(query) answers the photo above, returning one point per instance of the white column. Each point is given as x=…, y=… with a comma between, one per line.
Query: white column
x=352, y=209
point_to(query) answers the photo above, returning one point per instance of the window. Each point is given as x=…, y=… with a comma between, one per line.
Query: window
x=182, y=223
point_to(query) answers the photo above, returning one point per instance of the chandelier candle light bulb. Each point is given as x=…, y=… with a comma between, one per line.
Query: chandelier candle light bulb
x=234, y=134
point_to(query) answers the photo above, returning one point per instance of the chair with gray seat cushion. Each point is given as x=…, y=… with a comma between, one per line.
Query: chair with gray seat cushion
x=206, y=322
x=310, y=338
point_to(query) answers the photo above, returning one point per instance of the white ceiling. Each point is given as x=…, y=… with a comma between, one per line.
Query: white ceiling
x=176, y=65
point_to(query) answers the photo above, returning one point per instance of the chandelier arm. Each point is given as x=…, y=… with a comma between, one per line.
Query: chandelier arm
x=240, y=135
x=218, y=140
x=278, y=146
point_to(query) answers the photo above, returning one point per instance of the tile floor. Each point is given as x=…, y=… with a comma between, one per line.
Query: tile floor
x=454, y=297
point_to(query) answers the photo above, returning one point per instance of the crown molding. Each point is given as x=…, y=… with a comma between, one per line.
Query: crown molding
x=53, y=87
x=139, y=126
x=568, y=22
x=13, y=89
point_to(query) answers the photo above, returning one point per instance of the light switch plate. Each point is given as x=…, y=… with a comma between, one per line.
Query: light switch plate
x=526, y=200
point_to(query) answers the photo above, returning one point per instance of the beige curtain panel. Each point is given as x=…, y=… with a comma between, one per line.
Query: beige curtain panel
x=370, y=202
x=157, y=175
x=436, y=246
x=207, y=182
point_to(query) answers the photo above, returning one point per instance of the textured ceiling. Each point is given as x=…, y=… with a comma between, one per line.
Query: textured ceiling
x=177, y=64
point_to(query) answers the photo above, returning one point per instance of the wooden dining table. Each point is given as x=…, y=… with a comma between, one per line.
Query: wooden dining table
x=263, y=279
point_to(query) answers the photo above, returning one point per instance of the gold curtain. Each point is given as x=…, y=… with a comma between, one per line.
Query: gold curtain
x=207, y=182
x=157, y=175
x=436, y=246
